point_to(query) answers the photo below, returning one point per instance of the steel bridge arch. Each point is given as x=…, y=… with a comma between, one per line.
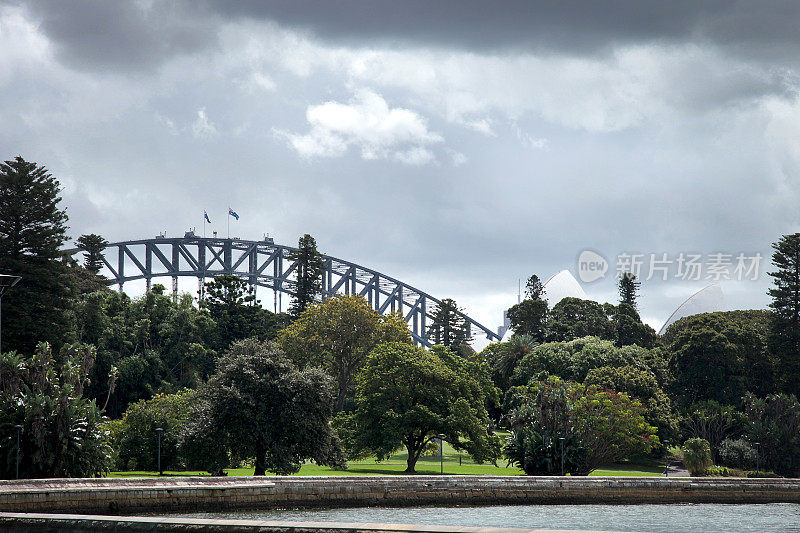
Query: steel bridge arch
x=266, y=264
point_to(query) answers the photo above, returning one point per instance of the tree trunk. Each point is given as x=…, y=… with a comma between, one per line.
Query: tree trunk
x=261, y=469
x=413, y=456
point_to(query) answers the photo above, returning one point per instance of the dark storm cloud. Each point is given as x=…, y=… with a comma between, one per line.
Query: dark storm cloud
x=99, y=34
x=564, y=26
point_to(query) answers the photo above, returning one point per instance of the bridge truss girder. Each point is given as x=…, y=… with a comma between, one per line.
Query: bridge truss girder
x=266, y=264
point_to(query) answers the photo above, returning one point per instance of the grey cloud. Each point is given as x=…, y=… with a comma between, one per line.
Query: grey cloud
x=101, y=34
x=570, y=26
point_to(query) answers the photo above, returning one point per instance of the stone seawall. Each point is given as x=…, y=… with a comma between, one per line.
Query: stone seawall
x=148, y=495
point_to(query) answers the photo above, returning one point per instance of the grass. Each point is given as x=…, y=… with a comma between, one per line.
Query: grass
x=454, y=463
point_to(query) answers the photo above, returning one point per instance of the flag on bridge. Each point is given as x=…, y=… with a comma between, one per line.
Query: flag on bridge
x=232, y=213
x=205, y=214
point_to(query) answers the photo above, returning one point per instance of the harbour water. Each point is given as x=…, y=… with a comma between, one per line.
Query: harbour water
x=672, y=518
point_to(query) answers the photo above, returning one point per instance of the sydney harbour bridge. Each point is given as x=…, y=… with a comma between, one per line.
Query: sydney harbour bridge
x=266, y=264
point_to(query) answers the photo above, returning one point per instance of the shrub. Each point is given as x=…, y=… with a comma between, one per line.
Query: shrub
x=538, y=452
x=724, y=471
x=134, y=436
x=697, y=456
x=737, y=453
x=754, y=473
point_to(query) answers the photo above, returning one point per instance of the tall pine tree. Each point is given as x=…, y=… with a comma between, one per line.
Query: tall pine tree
x=32, y=230
x=628, y=289
x=308, y=278
x=450, y=328
x=92, y=246
x=784, y=338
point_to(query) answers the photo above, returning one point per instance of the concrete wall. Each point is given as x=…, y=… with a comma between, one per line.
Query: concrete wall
x=145, y=495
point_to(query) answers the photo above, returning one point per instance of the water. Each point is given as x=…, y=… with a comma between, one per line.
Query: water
x=668, y=518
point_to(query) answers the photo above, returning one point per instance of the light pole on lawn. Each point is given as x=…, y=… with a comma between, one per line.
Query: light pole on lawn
x=160, y=471
x=19, y=428
x=758, y=458
x=666, y=458
x=6, y=282
x=441, y=453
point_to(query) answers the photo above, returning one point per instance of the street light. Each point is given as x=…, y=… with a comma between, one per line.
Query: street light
x=441, y=453
x=6, y=282
x=666, y=458
x=160, y=471
x=19, y=428
x=758, y=457
x=561, y=439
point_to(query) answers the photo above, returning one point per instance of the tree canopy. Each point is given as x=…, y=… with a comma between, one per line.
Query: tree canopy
x=407, y=396
x=337, y=335
x=308, y=274
x=784, y=337
x=260, y=405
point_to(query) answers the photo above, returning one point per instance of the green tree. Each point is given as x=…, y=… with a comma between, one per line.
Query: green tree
x=774, y=422
x=260, y=405
x=337, y=335
x=135, y=439
x=529, y=318
x=720, y=356
x=628, y=286
x=407, y=396
x=784, y=337
x=152, y=343
x=697, y=456
x=534, y=290
x=61, y=429
x=32, y=230
x=450, y=327
x=92, y=246
x=610, y=426
x=629, y=328
x=713, y=422
x=308, y=274
x=237, y=313
x=506, y=357
x=639, y=383
x=573, y=318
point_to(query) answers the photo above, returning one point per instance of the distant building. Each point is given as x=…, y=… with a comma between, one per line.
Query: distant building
x=707, y=300
x=560, y=286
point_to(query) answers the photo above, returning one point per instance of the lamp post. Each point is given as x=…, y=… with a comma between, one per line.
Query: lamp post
x=160, y=471
x=666, y=459
x=6, y=282
x=758, y=457
x=561, y=439
x=19, y=428
x=441, y=453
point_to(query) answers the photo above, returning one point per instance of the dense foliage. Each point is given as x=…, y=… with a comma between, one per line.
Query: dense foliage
x=606, y=426
x=135, y=439
x=784, y=336
x=61, y=433
x=337, y=335
x=696, y=456
x=309, y=268
x=258, y=404
x=408, y=396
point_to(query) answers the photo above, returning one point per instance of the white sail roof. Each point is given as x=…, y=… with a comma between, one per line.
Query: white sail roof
x=560, y=286
x=707, y=300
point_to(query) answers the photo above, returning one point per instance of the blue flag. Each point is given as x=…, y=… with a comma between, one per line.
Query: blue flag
x=232, y=213
x=206, y=217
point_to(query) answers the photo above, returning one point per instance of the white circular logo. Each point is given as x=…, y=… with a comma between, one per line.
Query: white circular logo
x=591, y=266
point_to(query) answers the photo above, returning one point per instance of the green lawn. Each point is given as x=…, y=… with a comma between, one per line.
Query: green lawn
x=454, y=463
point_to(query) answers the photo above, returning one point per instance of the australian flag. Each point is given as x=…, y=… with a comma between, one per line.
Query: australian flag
x=232, y=213
x=205, y=214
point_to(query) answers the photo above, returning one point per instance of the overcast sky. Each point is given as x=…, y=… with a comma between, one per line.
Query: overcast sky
x=456, y=145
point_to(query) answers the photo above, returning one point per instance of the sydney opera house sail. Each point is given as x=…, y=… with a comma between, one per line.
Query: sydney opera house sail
x=560, y=286
x=708, y=300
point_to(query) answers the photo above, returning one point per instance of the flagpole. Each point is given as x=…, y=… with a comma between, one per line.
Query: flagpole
x=229, y=222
